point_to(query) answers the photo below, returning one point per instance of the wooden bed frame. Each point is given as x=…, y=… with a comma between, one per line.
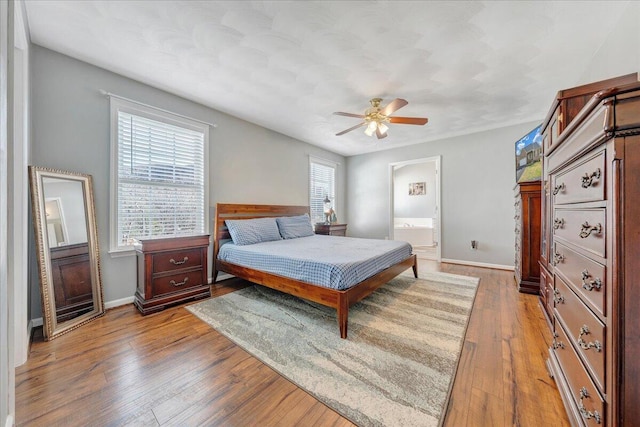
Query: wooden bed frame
x=340, y=300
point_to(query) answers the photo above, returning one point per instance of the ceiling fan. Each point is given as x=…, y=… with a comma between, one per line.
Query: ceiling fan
x=375, y=118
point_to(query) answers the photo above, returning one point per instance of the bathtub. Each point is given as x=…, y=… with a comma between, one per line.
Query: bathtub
x=416, y=231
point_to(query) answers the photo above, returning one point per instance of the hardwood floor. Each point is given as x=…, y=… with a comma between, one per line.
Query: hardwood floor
x=170, y=368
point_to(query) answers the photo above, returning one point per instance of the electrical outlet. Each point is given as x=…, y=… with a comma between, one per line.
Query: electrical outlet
x=474, y=245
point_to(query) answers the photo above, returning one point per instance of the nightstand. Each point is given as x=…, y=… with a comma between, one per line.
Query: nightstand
x=331, y=229
x=171, y=271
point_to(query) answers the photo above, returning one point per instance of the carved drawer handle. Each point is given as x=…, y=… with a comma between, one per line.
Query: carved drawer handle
x=556, y=344
x=587, y=180
x=558, y=188
x=584, y=330
x=176, y=284
x=587, y=415
x=557, y=258
x=590, y=285
x=174, y=262
x=558, y=223
x=587, y=229
x=557, y=297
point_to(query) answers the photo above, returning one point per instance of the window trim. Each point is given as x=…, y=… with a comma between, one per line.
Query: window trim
x=331, y=164
x=120, y=104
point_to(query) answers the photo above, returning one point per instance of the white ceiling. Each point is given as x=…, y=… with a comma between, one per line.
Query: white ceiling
x=466, y=65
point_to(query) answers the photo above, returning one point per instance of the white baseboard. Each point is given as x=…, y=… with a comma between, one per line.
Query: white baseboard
x=9, y=421
x=34, y=323
x=479, y=264
x=118, y=302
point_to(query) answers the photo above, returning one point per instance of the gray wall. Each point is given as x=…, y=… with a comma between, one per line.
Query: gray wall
x=406, y=206
x=477, y=177
x=70, y=119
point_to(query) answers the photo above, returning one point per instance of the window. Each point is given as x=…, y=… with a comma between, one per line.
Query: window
x=158, y=174
x=322, y=183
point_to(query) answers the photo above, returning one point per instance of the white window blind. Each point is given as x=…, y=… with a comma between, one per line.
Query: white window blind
x=322, y=183
x=160, y=178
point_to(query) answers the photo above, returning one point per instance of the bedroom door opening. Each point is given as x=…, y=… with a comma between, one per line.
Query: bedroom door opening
x=415, y=205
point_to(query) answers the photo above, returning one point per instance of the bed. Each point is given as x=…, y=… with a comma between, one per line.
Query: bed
x=338, y=293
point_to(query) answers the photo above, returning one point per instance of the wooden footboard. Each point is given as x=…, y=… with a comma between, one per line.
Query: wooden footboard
x=340, y=300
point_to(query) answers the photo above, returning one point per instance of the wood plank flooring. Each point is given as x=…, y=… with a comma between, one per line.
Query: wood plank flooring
x=172, y=369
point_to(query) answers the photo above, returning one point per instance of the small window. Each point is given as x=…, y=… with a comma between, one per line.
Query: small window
x=159, y=174
x=322, y=184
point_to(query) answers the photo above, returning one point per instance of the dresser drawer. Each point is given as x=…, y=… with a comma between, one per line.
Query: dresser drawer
x=585, y=395
x=177, y=282
x=584, y=228
x=587, y=277
x=583, y=328
x=582, y=182
x=174, y=260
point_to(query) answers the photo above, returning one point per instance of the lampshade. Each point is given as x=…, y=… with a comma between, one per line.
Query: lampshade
x=383, y=128
x=371, y=128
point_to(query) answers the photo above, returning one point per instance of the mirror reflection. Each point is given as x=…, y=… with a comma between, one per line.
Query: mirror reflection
x=66, y=238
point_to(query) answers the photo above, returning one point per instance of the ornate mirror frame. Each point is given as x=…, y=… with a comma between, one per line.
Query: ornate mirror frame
x=52, y=325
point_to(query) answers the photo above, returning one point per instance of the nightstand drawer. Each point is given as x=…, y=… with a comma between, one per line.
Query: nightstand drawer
x=177, y=282
x=169, y=261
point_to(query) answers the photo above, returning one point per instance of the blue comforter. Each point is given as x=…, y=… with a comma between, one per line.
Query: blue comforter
x=330, y=261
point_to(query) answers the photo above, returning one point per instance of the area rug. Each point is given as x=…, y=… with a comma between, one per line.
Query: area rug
x=395, y=369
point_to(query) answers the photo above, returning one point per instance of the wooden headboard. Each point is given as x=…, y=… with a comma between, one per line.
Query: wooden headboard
x=225, y=211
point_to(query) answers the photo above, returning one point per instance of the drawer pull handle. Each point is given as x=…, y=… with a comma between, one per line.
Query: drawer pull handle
x=590, y=285
x=587, y=180
x=557, y=344
x=174, y=262
x=558, y=188
x=557, y=258
x=587, y=415
x=557, y=297
x=584, y=330
x=176, y=284
x=588, y=229
x=558, y=223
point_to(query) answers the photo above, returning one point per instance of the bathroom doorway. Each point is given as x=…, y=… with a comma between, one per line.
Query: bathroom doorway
x=415, y=205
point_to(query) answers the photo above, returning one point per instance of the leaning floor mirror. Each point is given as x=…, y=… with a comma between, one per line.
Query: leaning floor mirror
x=67, y=245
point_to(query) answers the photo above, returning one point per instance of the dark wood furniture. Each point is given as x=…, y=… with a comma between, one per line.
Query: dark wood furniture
x=171, y=271
x=590, y=252
x=331, y=229
x=71, y=276
x=340, y=300
x=527, y=206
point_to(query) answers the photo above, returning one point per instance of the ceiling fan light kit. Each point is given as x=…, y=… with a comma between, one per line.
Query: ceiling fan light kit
x=374, y=118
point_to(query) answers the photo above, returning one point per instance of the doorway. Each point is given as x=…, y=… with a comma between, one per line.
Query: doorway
x=415, y=205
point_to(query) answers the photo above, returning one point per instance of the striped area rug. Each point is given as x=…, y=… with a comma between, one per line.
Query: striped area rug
x=395, y=369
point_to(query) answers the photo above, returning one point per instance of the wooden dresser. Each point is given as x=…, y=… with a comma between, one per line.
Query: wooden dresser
x=171, y=271
x=71, y=277
x=590, y=251
x=527, y=218
x=331, y=229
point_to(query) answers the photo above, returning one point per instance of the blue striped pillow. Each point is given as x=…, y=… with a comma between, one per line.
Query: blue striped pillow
x=250, y=231
x=292, y=227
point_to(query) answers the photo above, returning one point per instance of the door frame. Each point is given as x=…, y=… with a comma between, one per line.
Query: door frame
x=437, y=235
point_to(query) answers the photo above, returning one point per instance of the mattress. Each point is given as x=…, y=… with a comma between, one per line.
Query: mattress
x=331, y=261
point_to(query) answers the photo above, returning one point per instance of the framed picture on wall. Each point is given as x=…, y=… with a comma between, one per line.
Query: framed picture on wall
x=417, y=188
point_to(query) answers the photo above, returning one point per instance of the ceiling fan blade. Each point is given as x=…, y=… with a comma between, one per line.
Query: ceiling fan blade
x=409, y=120
x=350, y=129
x=339, y=113
x=380, y=134
x=396, y=104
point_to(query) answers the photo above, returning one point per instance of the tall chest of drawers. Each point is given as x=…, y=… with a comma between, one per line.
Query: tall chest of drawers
x=590, y=256
x=171, y=271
